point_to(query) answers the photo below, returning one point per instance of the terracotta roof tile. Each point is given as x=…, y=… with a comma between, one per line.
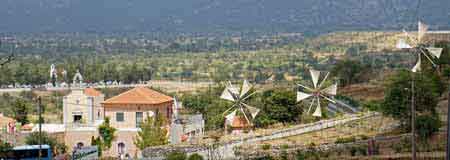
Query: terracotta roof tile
x=92, y=92
x=239, y=122
x=139, y=95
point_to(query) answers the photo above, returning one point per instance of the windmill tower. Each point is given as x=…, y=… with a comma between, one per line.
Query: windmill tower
x=416, y=46
x=238, y=96
x=317, y=92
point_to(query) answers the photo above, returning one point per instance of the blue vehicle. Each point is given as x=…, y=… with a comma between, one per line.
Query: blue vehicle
x=29, y=152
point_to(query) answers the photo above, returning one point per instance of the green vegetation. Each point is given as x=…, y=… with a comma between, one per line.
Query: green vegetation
x=21, y=108
x=176, y=156
x=4, y=147
x=427, y=125
x=57, y=147
x=152, y=132
x=195, y=156
x=107, y=135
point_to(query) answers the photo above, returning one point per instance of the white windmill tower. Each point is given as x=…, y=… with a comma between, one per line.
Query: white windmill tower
x=238, y=96
x=317, y=92
x=417, y=47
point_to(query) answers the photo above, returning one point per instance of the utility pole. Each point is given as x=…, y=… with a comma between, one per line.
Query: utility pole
x=413, y=119
x=40, y=126
x=448, y=125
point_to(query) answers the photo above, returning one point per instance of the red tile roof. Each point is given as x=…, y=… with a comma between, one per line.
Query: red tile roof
x=239, y=122
x=92, y=92
x=139, y=95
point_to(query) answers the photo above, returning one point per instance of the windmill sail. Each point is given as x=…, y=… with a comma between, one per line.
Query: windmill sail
x=318, y=111
x=417, y=68
x=401, y=44
x=245, y=88
x=436, y=52
x=301, y=96
x=230, y=117
x=227, y=95
x=315, y=76
x=253, y=111
x=331, y=90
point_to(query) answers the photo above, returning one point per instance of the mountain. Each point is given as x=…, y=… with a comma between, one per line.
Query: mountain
x=217, y=15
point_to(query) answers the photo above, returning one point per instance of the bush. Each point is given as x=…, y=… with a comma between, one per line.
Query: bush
x=345, y=140
x=176, y=156
x=427, y=125
x=266, y=146
x=195, y=156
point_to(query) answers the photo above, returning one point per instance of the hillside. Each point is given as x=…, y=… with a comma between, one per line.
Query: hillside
x=217, y=15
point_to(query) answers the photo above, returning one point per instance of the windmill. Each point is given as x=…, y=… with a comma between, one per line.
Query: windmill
x=317, y=92
x=421, y=50
x=238, y=97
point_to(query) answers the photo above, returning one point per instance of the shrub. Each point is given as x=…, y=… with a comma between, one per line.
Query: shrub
x=266, y=146
x=195, y=156
x=427, y=125
x=176, y=156
x=345, y=140
x=284, y=146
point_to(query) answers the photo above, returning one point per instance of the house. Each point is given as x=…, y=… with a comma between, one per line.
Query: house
x=85, y=110
x=128, y=110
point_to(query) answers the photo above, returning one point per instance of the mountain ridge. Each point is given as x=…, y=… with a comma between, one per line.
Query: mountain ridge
x=218, y=15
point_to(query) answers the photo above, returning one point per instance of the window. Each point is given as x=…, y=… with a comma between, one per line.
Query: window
x=121, y=148
x=139, y=119
x=77, y=118
x=120, y=117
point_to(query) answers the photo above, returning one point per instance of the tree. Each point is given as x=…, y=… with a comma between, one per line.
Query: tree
x=33, y=139
x=152, y=133
x=6, y=59
x=4, y=147
x=195, y=156
x=278, y=105
x=106, y=132
x=397, y=100
x=349, y=71
x=21, y=111
x=427, y=125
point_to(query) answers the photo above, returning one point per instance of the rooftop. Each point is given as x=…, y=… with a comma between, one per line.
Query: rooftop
x=139, y=95
x=92, y=92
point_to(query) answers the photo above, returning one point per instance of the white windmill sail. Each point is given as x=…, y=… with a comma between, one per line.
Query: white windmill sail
x=230, y=117
x=301, y=96
x=417, y=68
x=245, y=88
x=227, y=94
x=331, y=90
x=318, y=111
x=401, y=44
x=436, y=52
x=315, y=76
x=253, y=110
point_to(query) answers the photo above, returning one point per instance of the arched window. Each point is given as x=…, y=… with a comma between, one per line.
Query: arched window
x=121, y=148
